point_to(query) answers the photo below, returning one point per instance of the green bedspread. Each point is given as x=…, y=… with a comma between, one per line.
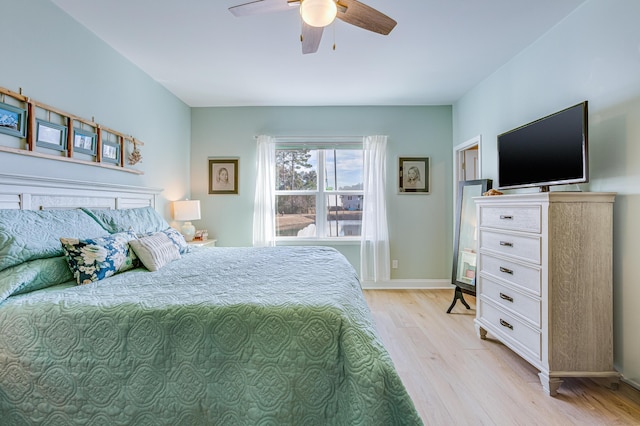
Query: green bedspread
x=224, y=336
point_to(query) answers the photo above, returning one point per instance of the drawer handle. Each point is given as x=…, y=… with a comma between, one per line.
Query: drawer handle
x=505, y=324
x=506, y=216
x=505, y=297
x=506, y=271
x=506, y=244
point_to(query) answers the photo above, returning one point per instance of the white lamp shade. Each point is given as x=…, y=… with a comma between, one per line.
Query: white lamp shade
x=186, y=210
x=318, y=13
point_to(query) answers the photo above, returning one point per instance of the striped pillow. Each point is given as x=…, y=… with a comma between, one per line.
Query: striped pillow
x=155, y=251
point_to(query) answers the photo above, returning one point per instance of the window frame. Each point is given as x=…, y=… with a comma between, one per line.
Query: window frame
x=321, y=193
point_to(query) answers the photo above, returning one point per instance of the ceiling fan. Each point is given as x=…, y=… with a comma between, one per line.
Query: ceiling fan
x=317, y=14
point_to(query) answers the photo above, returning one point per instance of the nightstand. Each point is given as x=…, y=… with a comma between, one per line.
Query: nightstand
x=202, y=243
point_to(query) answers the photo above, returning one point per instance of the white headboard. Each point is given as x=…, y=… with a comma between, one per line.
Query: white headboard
x=38, y=193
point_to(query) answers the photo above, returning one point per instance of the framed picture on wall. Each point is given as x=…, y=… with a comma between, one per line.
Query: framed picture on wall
x=13, y=120
x=51, y=135
x=223, y=176
x=414, y=175
x=111, y=152
x=84, y=141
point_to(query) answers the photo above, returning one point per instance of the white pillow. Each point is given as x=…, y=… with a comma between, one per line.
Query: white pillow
x=155, y=251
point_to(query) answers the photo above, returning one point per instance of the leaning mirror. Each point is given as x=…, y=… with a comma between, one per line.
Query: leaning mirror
x=466, y=239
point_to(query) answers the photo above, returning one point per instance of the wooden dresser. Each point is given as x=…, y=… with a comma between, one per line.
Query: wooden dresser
x=544, y=284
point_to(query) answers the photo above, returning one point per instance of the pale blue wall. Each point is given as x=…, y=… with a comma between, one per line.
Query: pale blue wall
x=58, y=62
x=419, y=225
x=594, y=54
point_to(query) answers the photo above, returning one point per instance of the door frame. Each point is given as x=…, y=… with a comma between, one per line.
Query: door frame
x=474, y=142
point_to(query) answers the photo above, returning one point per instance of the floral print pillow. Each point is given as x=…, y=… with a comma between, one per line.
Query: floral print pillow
x=98, y=258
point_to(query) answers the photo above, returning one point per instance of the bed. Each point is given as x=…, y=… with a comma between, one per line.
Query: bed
x=242, y=335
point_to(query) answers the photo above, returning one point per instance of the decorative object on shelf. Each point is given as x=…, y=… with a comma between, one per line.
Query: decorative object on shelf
x=223, y=176
x=492, y=192
x=465, y=242
x=64, y=132
x=135, y=156
x=201, y=235
x=414, y=175
x=187, y=210
x=84, y=141
x=13, y=120
x=51, y=135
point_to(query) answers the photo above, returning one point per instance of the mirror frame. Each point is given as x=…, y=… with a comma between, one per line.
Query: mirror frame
x=465, y=227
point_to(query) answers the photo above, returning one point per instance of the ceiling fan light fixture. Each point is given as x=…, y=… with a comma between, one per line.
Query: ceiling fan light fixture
x=318, y=13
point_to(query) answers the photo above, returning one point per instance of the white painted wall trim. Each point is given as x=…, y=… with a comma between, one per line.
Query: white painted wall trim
x=476, y=140
x=631, y=382
x=409, y=284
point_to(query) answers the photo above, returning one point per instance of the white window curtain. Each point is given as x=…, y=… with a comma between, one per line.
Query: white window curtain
x=264, y=219
x=374, y=246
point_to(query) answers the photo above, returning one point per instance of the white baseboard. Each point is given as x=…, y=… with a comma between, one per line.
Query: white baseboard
x=632, y=383
x=408, y=284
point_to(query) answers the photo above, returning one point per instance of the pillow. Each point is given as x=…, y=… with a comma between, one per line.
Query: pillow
x=98, y=258
x=176, y=237
x=34, y=275
x=155, y=251
x=142, y=219
x=34, y=234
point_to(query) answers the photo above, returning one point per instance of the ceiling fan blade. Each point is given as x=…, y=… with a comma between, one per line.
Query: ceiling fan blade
x=259, y=7
x=364, y=16
x=310, y=38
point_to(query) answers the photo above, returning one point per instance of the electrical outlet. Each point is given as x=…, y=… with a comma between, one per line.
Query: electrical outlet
x=394, y=264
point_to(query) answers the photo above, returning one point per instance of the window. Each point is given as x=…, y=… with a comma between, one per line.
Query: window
x=319, y=191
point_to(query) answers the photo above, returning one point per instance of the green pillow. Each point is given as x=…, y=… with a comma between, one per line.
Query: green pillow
x=34, y=275
x=35, y=234
x=142, y=220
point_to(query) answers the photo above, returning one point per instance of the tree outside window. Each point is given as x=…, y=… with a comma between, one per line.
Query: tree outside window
x=306, y=208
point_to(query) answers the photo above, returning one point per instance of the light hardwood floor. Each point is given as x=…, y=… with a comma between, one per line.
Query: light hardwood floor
x=455, y=378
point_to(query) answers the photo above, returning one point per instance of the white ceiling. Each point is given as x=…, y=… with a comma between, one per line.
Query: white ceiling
x=207, y=57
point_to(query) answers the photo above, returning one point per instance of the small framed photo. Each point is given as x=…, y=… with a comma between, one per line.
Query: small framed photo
x=13, y=120
x=414, y=175
x=111, y=152
x=84, y=141
x=51, y=135
x=223, y=176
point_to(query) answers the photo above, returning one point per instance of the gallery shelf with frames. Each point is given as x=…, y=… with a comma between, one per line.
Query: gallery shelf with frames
x=39, y=130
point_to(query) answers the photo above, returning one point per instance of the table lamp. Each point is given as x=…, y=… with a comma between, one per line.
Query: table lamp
x=187, y=211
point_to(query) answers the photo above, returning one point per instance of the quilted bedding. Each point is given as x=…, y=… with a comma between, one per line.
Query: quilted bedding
x=246, y=336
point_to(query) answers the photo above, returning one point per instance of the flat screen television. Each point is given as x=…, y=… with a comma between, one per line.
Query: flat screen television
x=550, y=151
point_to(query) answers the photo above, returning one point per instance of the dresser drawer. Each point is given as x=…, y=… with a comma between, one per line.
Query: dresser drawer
x=524, y=247
x=512, y=328
x=522, y=305
x=517, y=218
x=518, y=274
